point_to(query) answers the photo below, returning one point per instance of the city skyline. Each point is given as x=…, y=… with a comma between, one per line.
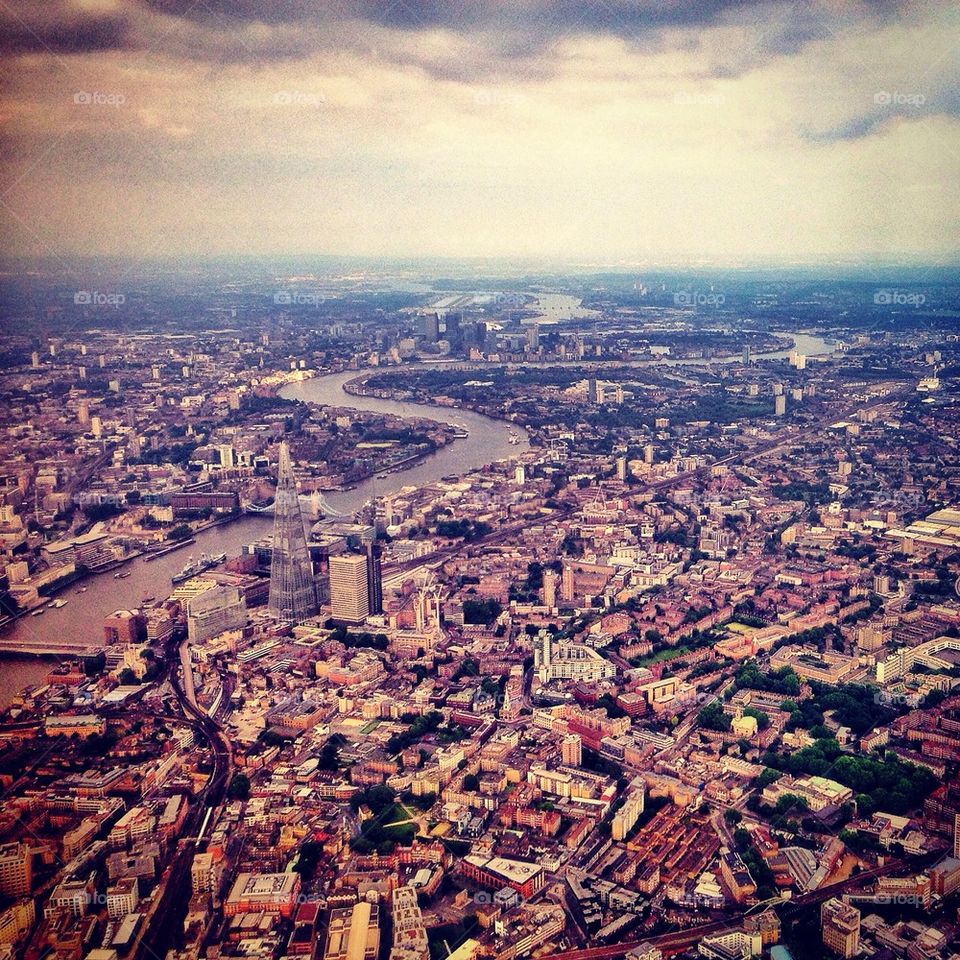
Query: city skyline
x=479, y=480
x=626, y=619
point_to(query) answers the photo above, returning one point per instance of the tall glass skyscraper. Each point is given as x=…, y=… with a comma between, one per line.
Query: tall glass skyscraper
x=293, y=589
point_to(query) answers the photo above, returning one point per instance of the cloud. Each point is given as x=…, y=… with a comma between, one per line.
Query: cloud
x=905, y=75
x=60, y=27
x=516, y=36
x=484, y=15
x=515, y=127
x=893, y=107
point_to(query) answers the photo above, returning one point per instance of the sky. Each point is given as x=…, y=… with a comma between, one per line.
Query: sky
x=606, y=131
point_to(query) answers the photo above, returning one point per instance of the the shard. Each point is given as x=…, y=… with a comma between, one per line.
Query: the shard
x=293, y=589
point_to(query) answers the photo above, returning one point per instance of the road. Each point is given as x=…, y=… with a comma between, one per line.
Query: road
x=165, y=922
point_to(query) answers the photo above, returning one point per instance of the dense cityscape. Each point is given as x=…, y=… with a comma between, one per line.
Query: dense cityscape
x=667, y=668
x=479, y=480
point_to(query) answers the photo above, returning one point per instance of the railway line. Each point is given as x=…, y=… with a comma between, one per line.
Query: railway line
x=159, y=932
x=680, y=940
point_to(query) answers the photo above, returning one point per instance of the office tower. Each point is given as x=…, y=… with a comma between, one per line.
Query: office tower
x=293, y=590
x=533, y=337
x=780, y=405
x=374, y=576
x=567, y=586
x=649, y=453
x=349, y=597
x=549, y=589
x=34, y=359
x=83, y=413
x=96, y=427
x=840, y=927
x=746, y=354
x=431, y=327
x=520, y=475
x=450, y=327
x=571, y=750
x=621, y=468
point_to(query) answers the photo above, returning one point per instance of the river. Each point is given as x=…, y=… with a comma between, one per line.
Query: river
x=81, y=619
x=488, y=441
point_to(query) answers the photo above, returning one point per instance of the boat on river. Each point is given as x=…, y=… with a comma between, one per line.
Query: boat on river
x=195, y=567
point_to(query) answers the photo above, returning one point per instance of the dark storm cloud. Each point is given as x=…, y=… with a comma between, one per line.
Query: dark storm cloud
x=49, y=26
x=549, y=16
x=516, y=30
x=518, y=37
x=599, y=16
